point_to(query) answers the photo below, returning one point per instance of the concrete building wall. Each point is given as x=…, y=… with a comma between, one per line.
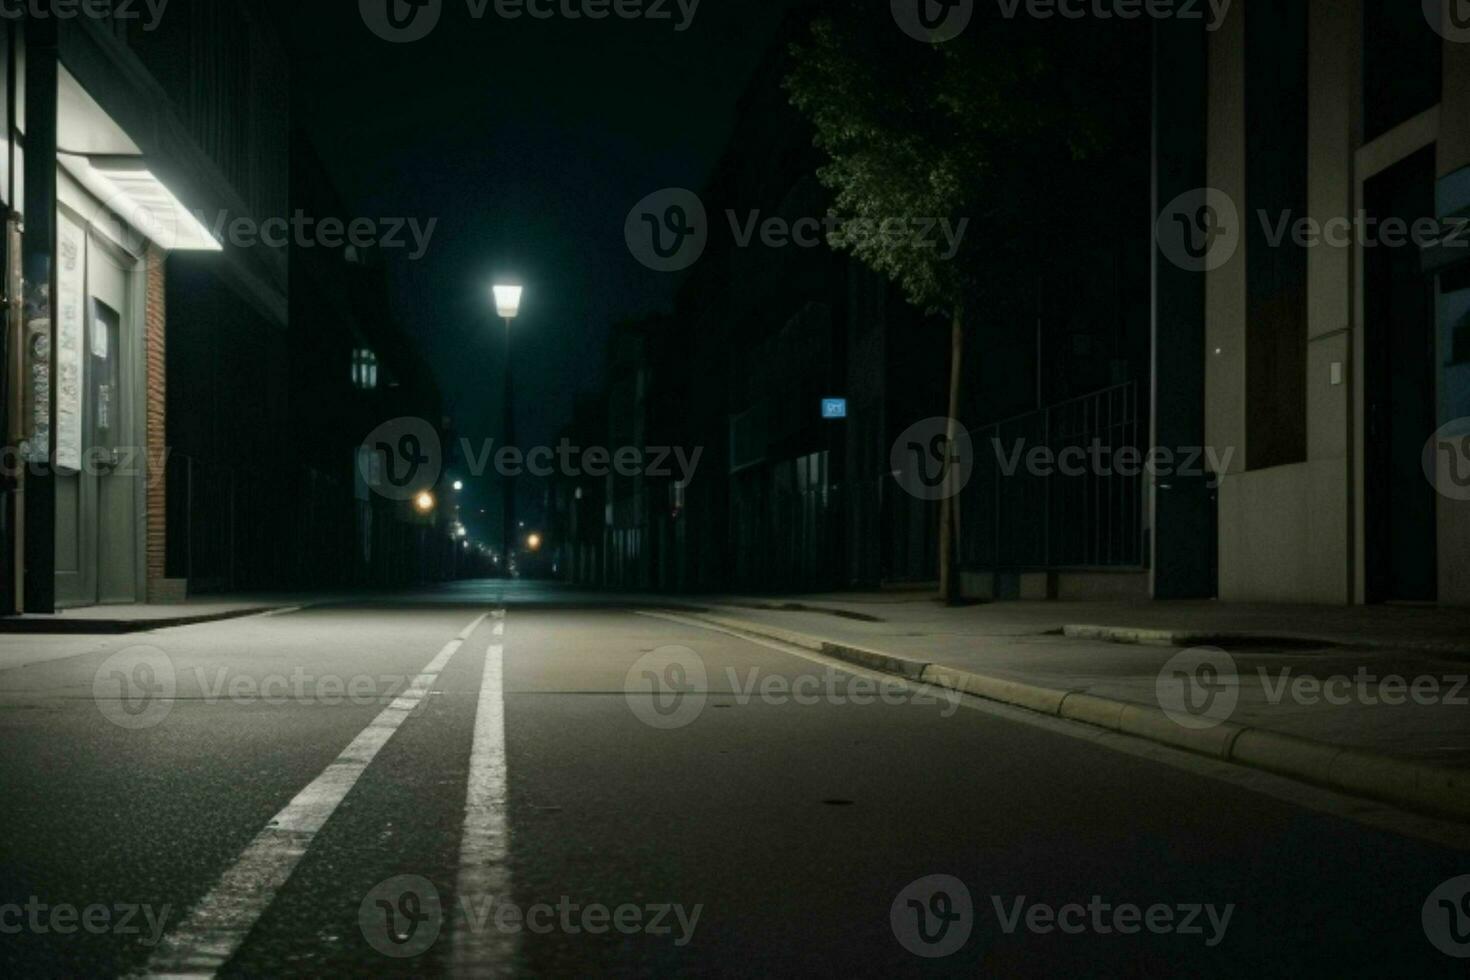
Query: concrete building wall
x=1284, y=529
x=1225, y=304
x=1296, y=532
x=1454, y=155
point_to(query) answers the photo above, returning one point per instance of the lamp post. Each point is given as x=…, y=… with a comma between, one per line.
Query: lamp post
x=508, y=307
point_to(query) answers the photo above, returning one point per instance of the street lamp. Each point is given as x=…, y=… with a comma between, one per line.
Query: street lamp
x=508, y=307
x=508, y=302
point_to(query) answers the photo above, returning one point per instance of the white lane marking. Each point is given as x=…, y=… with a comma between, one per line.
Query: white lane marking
x=480, y=948
x=219, y=923
x=499, y=628
x=1379, y=816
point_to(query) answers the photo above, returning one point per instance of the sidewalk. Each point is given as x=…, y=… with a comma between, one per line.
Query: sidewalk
x=1369, y=700
x=1428, y=628
x=137, y=618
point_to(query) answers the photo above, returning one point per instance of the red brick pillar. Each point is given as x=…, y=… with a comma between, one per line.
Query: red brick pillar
x=155, y=341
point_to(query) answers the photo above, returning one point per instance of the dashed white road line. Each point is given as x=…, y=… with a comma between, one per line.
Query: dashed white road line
x=480, y=949
x=219, y=923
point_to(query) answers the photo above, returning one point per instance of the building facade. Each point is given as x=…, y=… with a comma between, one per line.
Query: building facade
x=1334, y=354
x=124, y=138
x=352, y=369
x=1273, y=370
x=179, y=419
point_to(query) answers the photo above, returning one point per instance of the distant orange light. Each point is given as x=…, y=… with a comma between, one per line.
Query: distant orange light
x=424, y=502
x=534, y=542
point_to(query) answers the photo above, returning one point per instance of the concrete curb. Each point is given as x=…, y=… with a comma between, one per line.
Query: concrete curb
x=113, y=627
x=1358, y=772
x=1145, y=636
x=863, y=657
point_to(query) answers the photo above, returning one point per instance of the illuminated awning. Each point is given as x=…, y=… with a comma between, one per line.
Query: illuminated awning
x=129, y=191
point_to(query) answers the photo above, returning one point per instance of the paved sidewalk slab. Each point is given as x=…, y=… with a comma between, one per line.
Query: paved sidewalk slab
x=109, y=620
x=1430, y=628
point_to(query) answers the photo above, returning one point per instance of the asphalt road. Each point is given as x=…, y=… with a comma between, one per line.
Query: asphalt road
x=577, y=789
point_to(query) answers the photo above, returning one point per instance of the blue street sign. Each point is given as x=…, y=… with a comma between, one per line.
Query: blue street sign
x=834, y=408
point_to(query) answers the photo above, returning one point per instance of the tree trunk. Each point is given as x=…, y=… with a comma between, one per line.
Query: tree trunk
x=949, y=506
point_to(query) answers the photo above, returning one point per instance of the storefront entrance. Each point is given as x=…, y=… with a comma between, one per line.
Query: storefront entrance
x=101, y=465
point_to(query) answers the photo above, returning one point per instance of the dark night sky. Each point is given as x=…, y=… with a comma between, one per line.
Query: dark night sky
x=529, y=140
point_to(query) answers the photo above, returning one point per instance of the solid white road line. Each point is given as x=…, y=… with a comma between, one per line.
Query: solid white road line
x=481, y=949
x=219, y=923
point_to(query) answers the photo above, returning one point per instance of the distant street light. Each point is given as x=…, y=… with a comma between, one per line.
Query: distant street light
x=458, y=485
x=508, y=302
x=424, y=502
x=534, y=542
x=508, y=307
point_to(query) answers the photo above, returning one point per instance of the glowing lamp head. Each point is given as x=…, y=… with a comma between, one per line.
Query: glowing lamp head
x=534, y=542
x=508, y=301
x=424, y=502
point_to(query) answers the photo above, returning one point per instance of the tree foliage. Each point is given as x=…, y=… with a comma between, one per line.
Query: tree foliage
x=992, y=128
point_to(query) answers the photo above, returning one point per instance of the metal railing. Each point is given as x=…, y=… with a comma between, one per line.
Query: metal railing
x=236, y=527
x=1022, y=511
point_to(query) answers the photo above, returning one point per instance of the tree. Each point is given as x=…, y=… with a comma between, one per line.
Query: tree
x=984, y=131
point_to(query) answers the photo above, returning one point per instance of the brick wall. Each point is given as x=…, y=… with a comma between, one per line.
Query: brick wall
x=155, y=343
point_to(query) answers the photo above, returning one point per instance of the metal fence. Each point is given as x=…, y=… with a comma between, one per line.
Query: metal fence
x=238, y=527
x=233, y=528
x=1020, y=509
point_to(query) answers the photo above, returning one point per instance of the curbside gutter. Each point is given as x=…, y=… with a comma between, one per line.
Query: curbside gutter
x=1358, y=772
